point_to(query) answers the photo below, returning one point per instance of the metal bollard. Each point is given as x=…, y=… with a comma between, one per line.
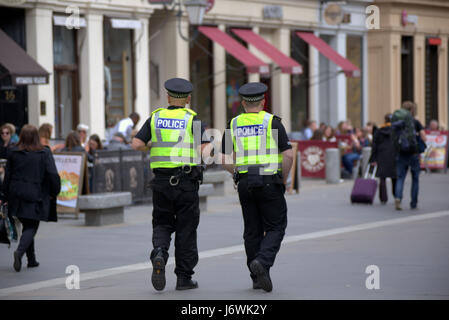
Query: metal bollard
x=333, y=164
x=366, y=154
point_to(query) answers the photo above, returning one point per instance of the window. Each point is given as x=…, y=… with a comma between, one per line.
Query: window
x=299, y=84
x=431, y=81
x=202, y=77
x=407, y=69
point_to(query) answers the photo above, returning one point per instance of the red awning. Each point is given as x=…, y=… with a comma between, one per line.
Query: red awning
x=252, y=63
x=19, y=65
x=349, y=69
x=287, y=64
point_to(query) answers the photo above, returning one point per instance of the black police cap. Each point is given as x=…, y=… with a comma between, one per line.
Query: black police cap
x=178, y=88
x=253, y=91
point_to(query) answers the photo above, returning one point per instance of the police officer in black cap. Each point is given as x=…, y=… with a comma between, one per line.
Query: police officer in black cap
x=256, y=149
x=175, y=137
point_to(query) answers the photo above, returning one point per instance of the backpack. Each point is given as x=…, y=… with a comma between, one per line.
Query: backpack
x=404, y=132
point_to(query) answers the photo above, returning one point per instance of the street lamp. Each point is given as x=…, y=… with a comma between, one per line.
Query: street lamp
x=195, y=10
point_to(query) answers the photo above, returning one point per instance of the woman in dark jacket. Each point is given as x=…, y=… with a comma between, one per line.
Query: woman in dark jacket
x=30, y=189
x=383, y=155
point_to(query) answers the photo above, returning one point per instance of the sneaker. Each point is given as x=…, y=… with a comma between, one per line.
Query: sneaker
x=263, y=278
x=158, y=276
x=397, y=204
x=186, y=284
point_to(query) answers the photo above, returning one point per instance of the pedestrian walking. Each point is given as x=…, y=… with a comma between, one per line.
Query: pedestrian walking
x=383, y=154
x=174, y=158
x=263, y=158
x=30, y=189
x=407, y=134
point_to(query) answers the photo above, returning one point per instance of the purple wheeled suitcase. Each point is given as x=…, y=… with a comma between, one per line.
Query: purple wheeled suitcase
x=364, y=189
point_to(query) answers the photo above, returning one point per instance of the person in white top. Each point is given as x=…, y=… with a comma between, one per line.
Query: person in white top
x=126, y=126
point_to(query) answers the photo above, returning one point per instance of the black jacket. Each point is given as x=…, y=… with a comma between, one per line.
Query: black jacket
x=31, y=184
x=384, y=152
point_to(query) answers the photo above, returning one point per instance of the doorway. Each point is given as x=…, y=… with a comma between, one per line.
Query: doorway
x=266, y=80
x=431, y=83
x=66, y=103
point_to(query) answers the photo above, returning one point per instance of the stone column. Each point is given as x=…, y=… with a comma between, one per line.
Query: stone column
x=39, y=43
x=339, y=110
x=419, y=68
x=442, y=82
x=219, y=84
x=281, y=81
x=314, y=100
x=254, y=77
x=92, y=104
x=142, y=69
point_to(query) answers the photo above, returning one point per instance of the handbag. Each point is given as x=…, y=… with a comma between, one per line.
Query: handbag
x=422, y=146
x=8, y=229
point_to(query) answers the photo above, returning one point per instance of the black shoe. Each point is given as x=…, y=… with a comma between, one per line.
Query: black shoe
x=158, y=276
x=263, y=278
x=256, y=285
x=186, y=284
x=33, y=264
x=17, y=261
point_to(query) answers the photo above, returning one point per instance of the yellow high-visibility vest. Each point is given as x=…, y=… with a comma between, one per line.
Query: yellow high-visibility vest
x=255, y=143
x=172, y=141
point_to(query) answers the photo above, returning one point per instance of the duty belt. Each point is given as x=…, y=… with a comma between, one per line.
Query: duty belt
x=273, y=178
x=175, y=176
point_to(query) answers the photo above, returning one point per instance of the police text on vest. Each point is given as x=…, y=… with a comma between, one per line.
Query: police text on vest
x=163, y=123
x=247, y=131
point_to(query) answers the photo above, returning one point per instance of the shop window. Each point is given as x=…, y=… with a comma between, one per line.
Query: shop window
x=119, y=74
x=66, y=80
x=407, y=72
x=202, y=77
x=431, y=82
x=354, y=53
x=299, y=84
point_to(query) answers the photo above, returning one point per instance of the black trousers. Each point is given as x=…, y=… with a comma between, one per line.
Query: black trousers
x=176, y=210
x=26, y=243
x=265, y=220
x=383, y=194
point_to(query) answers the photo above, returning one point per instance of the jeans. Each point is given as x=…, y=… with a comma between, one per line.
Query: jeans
x=348, y=161
x=403, y=162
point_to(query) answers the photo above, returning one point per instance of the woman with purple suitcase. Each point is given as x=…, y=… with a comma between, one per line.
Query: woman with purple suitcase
x=383, y=155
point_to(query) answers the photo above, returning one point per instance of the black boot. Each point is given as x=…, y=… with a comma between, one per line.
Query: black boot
x=262, y=275
x=32, y=262
x=158, y=276
x=185, y=284
x=17, y=261
x=256, y=284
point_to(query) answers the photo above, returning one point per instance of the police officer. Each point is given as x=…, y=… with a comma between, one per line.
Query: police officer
x=175, y=136
x=256, y=149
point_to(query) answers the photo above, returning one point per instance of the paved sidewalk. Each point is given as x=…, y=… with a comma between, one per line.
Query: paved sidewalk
x=413, y=256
